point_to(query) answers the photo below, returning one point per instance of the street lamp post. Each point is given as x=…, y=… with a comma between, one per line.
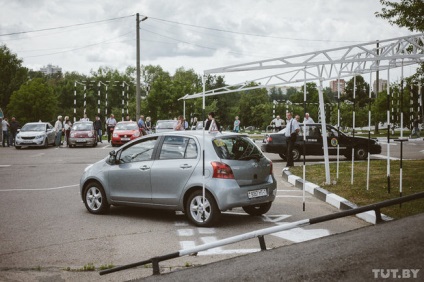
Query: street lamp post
x=137, y=90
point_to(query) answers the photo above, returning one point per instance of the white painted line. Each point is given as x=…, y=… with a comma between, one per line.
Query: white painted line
x=286, y=196
x=40, y=189
x=385, y=157
x=300, y=234
x=5, y=165
x=185, y=232
x=204, y=230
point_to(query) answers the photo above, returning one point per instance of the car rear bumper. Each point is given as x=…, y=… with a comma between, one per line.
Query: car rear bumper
x=231, y=195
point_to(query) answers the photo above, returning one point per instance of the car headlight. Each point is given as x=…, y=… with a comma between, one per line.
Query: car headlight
x=115, y=135
x=18, y=137
x=90, y=134
x=136, y=134
x=39, y=137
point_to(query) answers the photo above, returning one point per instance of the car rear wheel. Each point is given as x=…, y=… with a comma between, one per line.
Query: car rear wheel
x=95, y=199
x=18, y=147
x=296, y=154
x=361, y=153
x=257, y=210
x=46, y=143
x=202, y=212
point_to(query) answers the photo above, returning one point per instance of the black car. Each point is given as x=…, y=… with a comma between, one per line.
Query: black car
x=276, y=143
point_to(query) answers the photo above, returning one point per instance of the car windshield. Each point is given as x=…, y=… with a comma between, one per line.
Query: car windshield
x=126, y=126
x=81, y=127
x=34, y=127
x=236, y=148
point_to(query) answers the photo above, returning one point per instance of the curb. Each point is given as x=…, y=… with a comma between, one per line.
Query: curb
x=330, y=198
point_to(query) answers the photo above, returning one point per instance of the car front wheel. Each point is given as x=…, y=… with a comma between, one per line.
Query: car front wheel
x=203, y=212
x=95, y=199
x=257, y=210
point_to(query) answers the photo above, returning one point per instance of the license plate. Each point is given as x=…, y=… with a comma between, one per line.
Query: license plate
x=27, y=141
x=81, y=141
x=125, y=139
x=257, y=193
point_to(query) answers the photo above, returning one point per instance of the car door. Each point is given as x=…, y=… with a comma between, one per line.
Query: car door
x=51, y=133
x=177, y=158
x=313, y=137
x=332, y=139
x=129, y=180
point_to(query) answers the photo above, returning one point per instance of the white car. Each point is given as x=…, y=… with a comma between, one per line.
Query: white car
x=35, y=134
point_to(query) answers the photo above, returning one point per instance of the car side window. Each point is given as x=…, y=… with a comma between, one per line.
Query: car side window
x=178, y=147
x=138, y=152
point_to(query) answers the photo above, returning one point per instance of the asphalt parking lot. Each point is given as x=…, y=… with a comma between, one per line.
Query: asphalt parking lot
x=48, y=234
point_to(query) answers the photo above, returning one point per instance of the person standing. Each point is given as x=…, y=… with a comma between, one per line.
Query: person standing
x=58, y=126
x=307, y=119
x=5, y=128
x=98, y=128
x=292, y=129
x=236, y=127
x=212, y=124
x=180, y=124
x=142, y=125
x=85, y=118
x=110, y=125
x=67, y=125
x=14, y=126
x=278, y=123
x=148, y=125
x=416, y=129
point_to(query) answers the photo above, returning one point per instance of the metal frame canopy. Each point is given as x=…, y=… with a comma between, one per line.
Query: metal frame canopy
x=327, y=64
x=324, y=65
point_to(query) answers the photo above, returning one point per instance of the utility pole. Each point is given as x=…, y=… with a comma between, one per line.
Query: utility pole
x=137, y=89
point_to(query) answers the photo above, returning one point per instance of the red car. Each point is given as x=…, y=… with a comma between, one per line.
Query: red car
x=125, y=131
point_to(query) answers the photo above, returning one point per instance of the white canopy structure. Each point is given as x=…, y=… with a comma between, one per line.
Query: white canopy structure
x=325, y=65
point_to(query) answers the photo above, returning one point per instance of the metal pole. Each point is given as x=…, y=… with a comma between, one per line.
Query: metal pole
x=353, y=128
x=304, y=143
x=388, y=130
x=137, y=88
x=369, y=134
x=324, y=131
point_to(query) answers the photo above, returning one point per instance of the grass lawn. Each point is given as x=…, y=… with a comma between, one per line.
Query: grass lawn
x=412, y=179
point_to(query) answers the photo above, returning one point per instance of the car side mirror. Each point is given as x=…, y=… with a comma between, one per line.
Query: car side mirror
x=112, y=157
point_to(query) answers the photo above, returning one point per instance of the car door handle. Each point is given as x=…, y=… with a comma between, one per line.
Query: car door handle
x=145, y=167
x=185, y=166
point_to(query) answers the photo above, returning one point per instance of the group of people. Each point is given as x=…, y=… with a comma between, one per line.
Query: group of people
x=292, y=130
x=9, y=131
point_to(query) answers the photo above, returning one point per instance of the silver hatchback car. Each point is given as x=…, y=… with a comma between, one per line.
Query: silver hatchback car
x=165, y=170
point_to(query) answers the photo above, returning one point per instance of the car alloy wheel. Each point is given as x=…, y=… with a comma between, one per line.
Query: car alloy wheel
x=95, y=199
x=361, y=153
x=202, y=212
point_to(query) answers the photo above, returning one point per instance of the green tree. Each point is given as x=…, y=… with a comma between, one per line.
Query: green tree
x=361, y=93
x=34, y=101
x=255, y=108
x=12, y=75
x=404, y=13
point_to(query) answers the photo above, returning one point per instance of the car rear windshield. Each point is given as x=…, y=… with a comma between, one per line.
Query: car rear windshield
x=236, y=148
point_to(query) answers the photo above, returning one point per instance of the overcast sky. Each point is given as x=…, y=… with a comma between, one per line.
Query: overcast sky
x=82, y=35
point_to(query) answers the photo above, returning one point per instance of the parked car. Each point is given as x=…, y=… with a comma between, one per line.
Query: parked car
x=124, y=132
x=165, y=125
x=276, y=143
x=82, y=134
x=35, y=134
x=165, y=170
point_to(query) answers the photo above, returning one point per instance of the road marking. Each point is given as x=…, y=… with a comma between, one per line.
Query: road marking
x=385, y=157
x=300, y=234
x=40, y=189
x=5, y=165
x=287, y=196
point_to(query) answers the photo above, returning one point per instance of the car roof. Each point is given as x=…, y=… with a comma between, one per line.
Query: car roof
x=126, y=121
x=199, y=133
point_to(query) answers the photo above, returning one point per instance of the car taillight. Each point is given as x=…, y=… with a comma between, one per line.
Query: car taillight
x=269, y=139
x=221, y=170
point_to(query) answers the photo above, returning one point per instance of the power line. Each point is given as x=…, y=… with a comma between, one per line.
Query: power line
x=65, y=26
x=252, y=34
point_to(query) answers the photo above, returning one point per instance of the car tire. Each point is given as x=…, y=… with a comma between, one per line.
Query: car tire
x=194, y=209
x=361, y=153
x=256, y=210
x=296, y=154
x=46, y=143
x=95, y=199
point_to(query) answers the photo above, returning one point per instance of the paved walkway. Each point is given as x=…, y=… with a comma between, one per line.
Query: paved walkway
x=390, y=250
